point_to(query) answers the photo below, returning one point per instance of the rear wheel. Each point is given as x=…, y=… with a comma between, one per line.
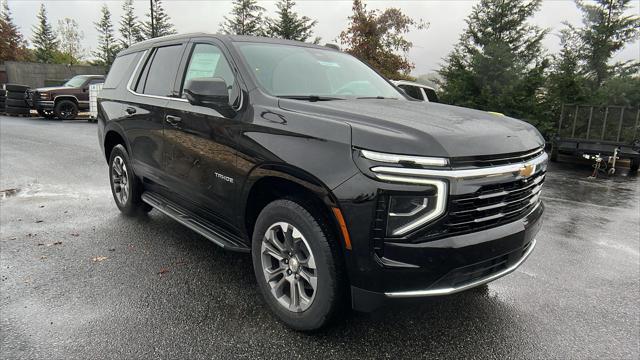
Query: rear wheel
x=66, y=110
x=125, y=186
x=297, y=265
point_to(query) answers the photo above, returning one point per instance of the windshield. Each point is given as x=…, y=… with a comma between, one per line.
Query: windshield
x=76, y=81
x=297, y=71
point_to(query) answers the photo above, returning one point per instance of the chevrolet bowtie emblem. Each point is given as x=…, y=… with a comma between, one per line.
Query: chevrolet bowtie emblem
x=527, y=170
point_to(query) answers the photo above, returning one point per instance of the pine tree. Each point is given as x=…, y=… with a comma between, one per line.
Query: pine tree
x=107, y=46
x=162, y=25
x=607, y=29
x=246, y=19
x=44, y=39
x=70, y=39
x=289, y=25
x=12, y=43
x=499, y=63
x=129, y=25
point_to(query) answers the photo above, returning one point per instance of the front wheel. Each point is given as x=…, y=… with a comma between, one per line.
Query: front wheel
x=125, y=186
x=66, y=110
x=297, y=264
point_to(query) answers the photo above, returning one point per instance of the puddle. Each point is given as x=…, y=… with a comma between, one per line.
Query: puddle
x=38, y=190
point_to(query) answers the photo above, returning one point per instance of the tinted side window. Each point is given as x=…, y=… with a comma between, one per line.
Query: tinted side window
x=431, y=95
x=120, y=69
x=412, y=91
x=208, y=61
x=162, y=70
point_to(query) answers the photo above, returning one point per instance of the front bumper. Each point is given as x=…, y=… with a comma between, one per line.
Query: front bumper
x=451, y=265
x=38, y=104
x=441, y=258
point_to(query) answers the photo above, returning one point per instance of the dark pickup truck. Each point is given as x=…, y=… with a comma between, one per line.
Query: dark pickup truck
x=343, y=189
x=63, y=102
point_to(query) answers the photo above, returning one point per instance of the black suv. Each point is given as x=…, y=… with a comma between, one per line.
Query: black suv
x=340, y=186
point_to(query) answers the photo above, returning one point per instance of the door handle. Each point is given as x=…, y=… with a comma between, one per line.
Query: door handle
x=173, y=120
x=130, y=111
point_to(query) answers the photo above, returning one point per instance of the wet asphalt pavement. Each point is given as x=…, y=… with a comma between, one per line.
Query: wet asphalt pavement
x=79, y=280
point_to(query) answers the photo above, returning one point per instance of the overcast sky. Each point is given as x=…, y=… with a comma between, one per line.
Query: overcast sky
x=446, y=19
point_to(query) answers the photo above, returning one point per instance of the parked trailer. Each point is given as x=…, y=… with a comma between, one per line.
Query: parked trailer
x=598, y=130
x=94, y=89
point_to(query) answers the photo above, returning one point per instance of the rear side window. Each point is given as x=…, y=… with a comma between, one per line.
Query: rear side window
x=412, y=91
x=160, y=72
x=120, y=69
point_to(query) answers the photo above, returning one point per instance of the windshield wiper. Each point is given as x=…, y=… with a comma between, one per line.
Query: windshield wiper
x=376, y=97
x=311, y=98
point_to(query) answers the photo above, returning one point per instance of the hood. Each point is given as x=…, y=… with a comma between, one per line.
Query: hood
x=52, y=88
x=423, y=128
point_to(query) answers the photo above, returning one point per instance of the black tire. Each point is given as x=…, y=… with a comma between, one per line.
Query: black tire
x=66, y=110
x=16, y=87
x=16, y=95
x=633, y=166
x=133, y=204
x=329, y=296
x=16, y=103
x=17, y=110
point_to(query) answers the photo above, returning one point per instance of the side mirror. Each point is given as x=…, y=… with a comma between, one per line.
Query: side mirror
x=209, y=92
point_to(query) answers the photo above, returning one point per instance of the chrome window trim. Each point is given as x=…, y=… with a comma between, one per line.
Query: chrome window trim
x=439, y=209
x=397, y=158
x=461, y=174
x=129, y=83
x=453, y=290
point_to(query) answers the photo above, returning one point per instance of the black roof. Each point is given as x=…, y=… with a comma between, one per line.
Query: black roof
x=222, y=37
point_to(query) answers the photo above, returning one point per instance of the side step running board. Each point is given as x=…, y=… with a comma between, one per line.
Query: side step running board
x=206, y=228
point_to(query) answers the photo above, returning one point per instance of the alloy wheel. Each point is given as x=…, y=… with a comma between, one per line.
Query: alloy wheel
x=289, y=267
x=120, y=180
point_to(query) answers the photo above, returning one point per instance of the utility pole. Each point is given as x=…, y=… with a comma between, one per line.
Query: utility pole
x=153, y=27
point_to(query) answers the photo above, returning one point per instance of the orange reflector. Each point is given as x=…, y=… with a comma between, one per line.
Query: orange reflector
x=343, y=227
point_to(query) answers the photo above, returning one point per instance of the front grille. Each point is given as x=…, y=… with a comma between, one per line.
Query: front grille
x=493, y=205
x=495, y=160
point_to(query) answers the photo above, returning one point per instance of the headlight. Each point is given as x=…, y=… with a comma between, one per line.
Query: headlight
x=44, y=95
x=409, y=212
x=427, y=200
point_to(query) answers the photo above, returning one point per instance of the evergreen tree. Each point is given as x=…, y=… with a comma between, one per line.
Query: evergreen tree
x=377, y=37
x=44, y=39
x=129, y=25
x=70, y=39
x=289, y=25
x=12, y=44
x=499, y=62
x=607, y=28
x=107, y=46
x=162, y=25
x=246, y=19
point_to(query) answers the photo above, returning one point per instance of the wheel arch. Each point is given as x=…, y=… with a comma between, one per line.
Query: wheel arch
x=112, y=137
x=266, y=183
x=59, y=98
